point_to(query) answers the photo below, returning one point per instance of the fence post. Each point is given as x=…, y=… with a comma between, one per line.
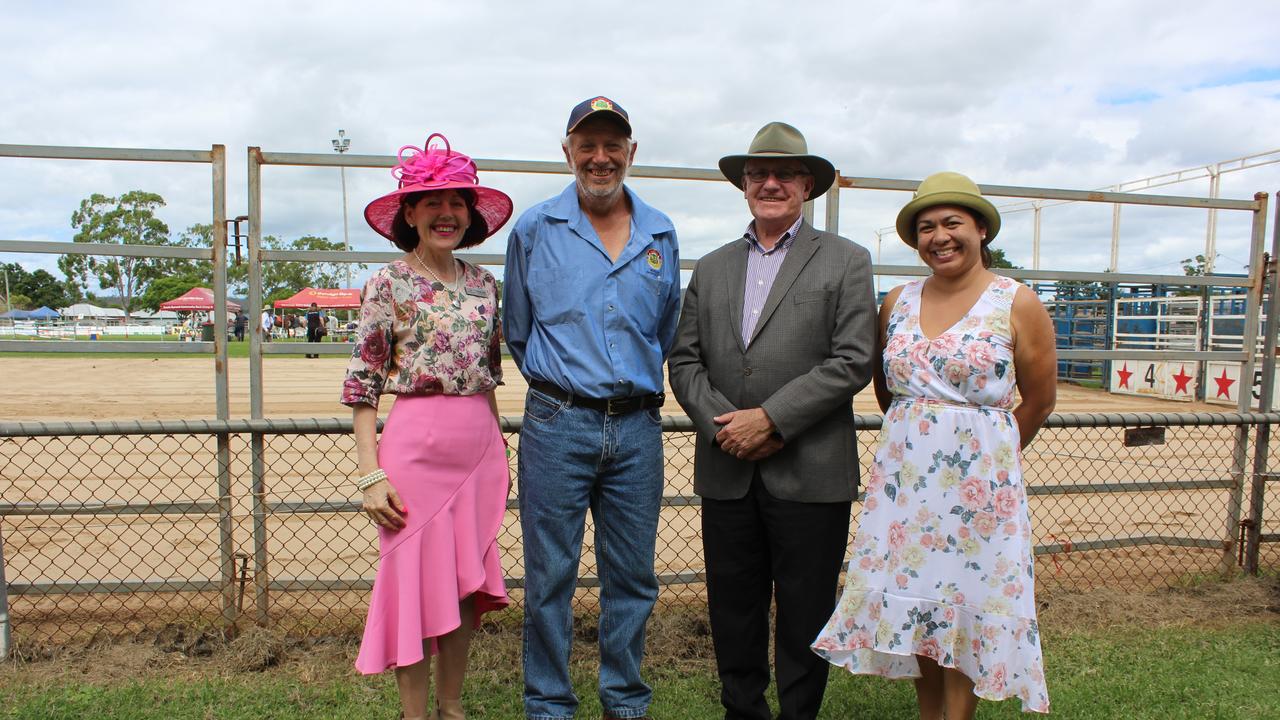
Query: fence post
x=226, y=532
x=1248, y=342
x=261, y=580
x=226, y=505
x=832, y=224
x=1109, y=336
x=257, y=444
x=5, y=635
x=1257, y=493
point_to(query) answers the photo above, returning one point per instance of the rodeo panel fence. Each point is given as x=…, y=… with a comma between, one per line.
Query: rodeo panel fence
x=124, y=528
x=127, y=527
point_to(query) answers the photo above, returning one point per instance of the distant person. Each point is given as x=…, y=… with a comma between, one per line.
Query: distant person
x=316, y=326
x=776, y=337
x=265, y=325
x=939, y=586
x=241, y=324
x=592, y=293
x=436, y=483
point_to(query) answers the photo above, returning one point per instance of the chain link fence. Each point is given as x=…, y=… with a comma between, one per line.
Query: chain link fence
x=122, y=528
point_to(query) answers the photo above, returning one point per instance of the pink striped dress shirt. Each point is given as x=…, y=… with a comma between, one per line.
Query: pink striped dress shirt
x=762, y=268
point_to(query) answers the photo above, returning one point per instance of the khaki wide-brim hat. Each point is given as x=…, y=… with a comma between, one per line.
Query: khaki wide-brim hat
x=780, y=141
x=947, y=188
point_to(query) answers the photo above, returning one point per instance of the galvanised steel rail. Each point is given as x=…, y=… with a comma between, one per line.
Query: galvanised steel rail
x=265, y=583
x=1262, y=443
x=216, y=158
x=1255, y=283
x=62, y=152
x=514, y=423
x=1258, y=206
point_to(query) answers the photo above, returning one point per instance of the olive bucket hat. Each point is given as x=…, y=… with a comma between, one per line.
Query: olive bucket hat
x=947, y=188
x=780, y=141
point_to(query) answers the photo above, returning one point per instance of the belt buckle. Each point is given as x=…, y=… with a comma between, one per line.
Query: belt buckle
x=619, y=409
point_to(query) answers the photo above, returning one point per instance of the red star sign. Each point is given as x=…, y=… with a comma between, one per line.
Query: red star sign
x=1224, y=385
x=1182, y=378
x=1125, y=373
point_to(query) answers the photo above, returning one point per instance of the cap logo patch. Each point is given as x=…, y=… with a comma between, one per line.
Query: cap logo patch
x=654, y=259
x=601, y=104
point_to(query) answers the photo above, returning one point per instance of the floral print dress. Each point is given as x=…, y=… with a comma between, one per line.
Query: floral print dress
x=942, y=560
x=417, y=338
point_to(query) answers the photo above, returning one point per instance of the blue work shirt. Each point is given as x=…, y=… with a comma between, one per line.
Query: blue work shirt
x=596, y=327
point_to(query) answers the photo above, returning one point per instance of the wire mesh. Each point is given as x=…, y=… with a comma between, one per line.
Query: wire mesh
x=94, y=526
x=1109, y=515
x=127, y=534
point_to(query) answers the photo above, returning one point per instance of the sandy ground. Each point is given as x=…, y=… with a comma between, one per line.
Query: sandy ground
x=76, y=547
x=183, y=388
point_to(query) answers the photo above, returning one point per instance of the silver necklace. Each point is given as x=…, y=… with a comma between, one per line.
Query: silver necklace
x=454, y=289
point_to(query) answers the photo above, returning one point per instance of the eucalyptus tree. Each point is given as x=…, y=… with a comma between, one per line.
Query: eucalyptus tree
x=129, y=219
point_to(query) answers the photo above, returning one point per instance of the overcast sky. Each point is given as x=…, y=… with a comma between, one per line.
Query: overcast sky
x=1058, y=94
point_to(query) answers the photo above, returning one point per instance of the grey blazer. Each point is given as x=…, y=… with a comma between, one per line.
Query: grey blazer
x=810, y=353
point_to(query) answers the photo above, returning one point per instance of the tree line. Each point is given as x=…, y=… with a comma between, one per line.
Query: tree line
x=144, y=283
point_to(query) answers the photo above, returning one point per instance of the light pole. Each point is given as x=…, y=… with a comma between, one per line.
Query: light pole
x=341, y=144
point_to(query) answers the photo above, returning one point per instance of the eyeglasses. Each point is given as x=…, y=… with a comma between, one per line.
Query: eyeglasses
x=783, y=176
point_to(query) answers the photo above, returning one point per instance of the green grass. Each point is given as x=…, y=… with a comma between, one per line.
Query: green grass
x=1132, y=673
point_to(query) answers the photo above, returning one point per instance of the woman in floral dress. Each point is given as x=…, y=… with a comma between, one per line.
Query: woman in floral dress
x=940, y=584
x=436, y=482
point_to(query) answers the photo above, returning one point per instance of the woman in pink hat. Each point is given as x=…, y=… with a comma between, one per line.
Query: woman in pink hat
x=436, y=482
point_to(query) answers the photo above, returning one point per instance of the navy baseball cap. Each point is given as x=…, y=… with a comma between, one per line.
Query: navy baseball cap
x=596, y=105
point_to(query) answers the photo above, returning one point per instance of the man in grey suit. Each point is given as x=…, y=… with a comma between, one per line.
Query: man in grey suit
x=776, y=335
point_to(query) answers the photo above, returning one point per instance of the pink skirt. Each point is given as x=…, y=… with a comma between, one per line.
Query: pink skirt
x=444, y=455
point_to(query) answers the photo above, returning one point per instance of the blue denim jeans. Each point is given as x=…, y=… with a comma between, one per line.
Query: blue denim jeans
x=572, y=459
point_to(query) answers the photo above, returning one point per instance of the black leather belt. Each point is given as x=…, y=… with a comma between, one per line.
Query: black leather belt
x=608, y=406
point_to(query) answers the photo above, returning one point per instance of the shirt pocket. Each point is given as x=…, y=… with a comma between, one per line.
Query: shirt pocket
x=557, y=295
x=648, y=298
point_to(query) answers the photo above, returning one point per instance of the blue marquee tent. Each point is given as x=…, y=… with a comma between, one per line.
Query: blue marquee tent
x=42, y=313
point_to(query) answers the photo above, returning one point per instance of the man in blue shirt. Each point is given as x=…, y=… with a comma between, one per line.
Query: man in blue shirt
x=591, y=299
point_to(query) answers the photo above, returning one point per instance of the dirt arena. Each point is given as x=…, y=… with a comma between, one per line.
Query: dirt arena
x=145, y=388
x=62, y=548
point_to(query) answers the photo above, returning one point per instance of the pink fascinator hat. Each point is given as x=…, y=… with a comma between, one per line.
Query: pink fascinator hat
x=438, y=168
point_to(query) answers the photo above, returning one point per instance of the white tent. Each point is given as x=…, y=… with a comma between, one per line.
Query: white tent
x=157, y=315
x=85, y=310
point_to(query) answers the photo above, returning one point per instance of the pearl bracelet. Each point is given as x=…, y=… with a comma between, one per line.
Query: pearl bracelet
x=373, y=478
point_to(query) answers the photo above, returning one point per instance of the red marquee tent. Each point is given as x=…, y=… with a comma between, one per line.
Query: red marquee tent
x=197, y=298
x=337, y=299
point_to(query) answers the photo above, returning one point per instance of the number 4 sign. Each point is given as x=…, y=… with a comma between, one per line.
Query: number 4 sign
x=1167, y=380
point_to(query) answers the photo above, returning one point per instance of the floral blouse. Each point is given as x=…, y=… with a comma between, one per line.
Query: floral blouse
x=416, y=338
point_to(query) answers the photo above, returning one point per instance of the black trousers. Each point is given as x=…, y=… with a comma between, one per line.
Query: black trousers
x=760, y=549
x=313, y=335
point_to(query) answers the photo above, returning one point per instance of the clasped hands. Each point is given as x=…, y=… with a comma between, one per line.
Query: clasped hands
x=747, y=434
